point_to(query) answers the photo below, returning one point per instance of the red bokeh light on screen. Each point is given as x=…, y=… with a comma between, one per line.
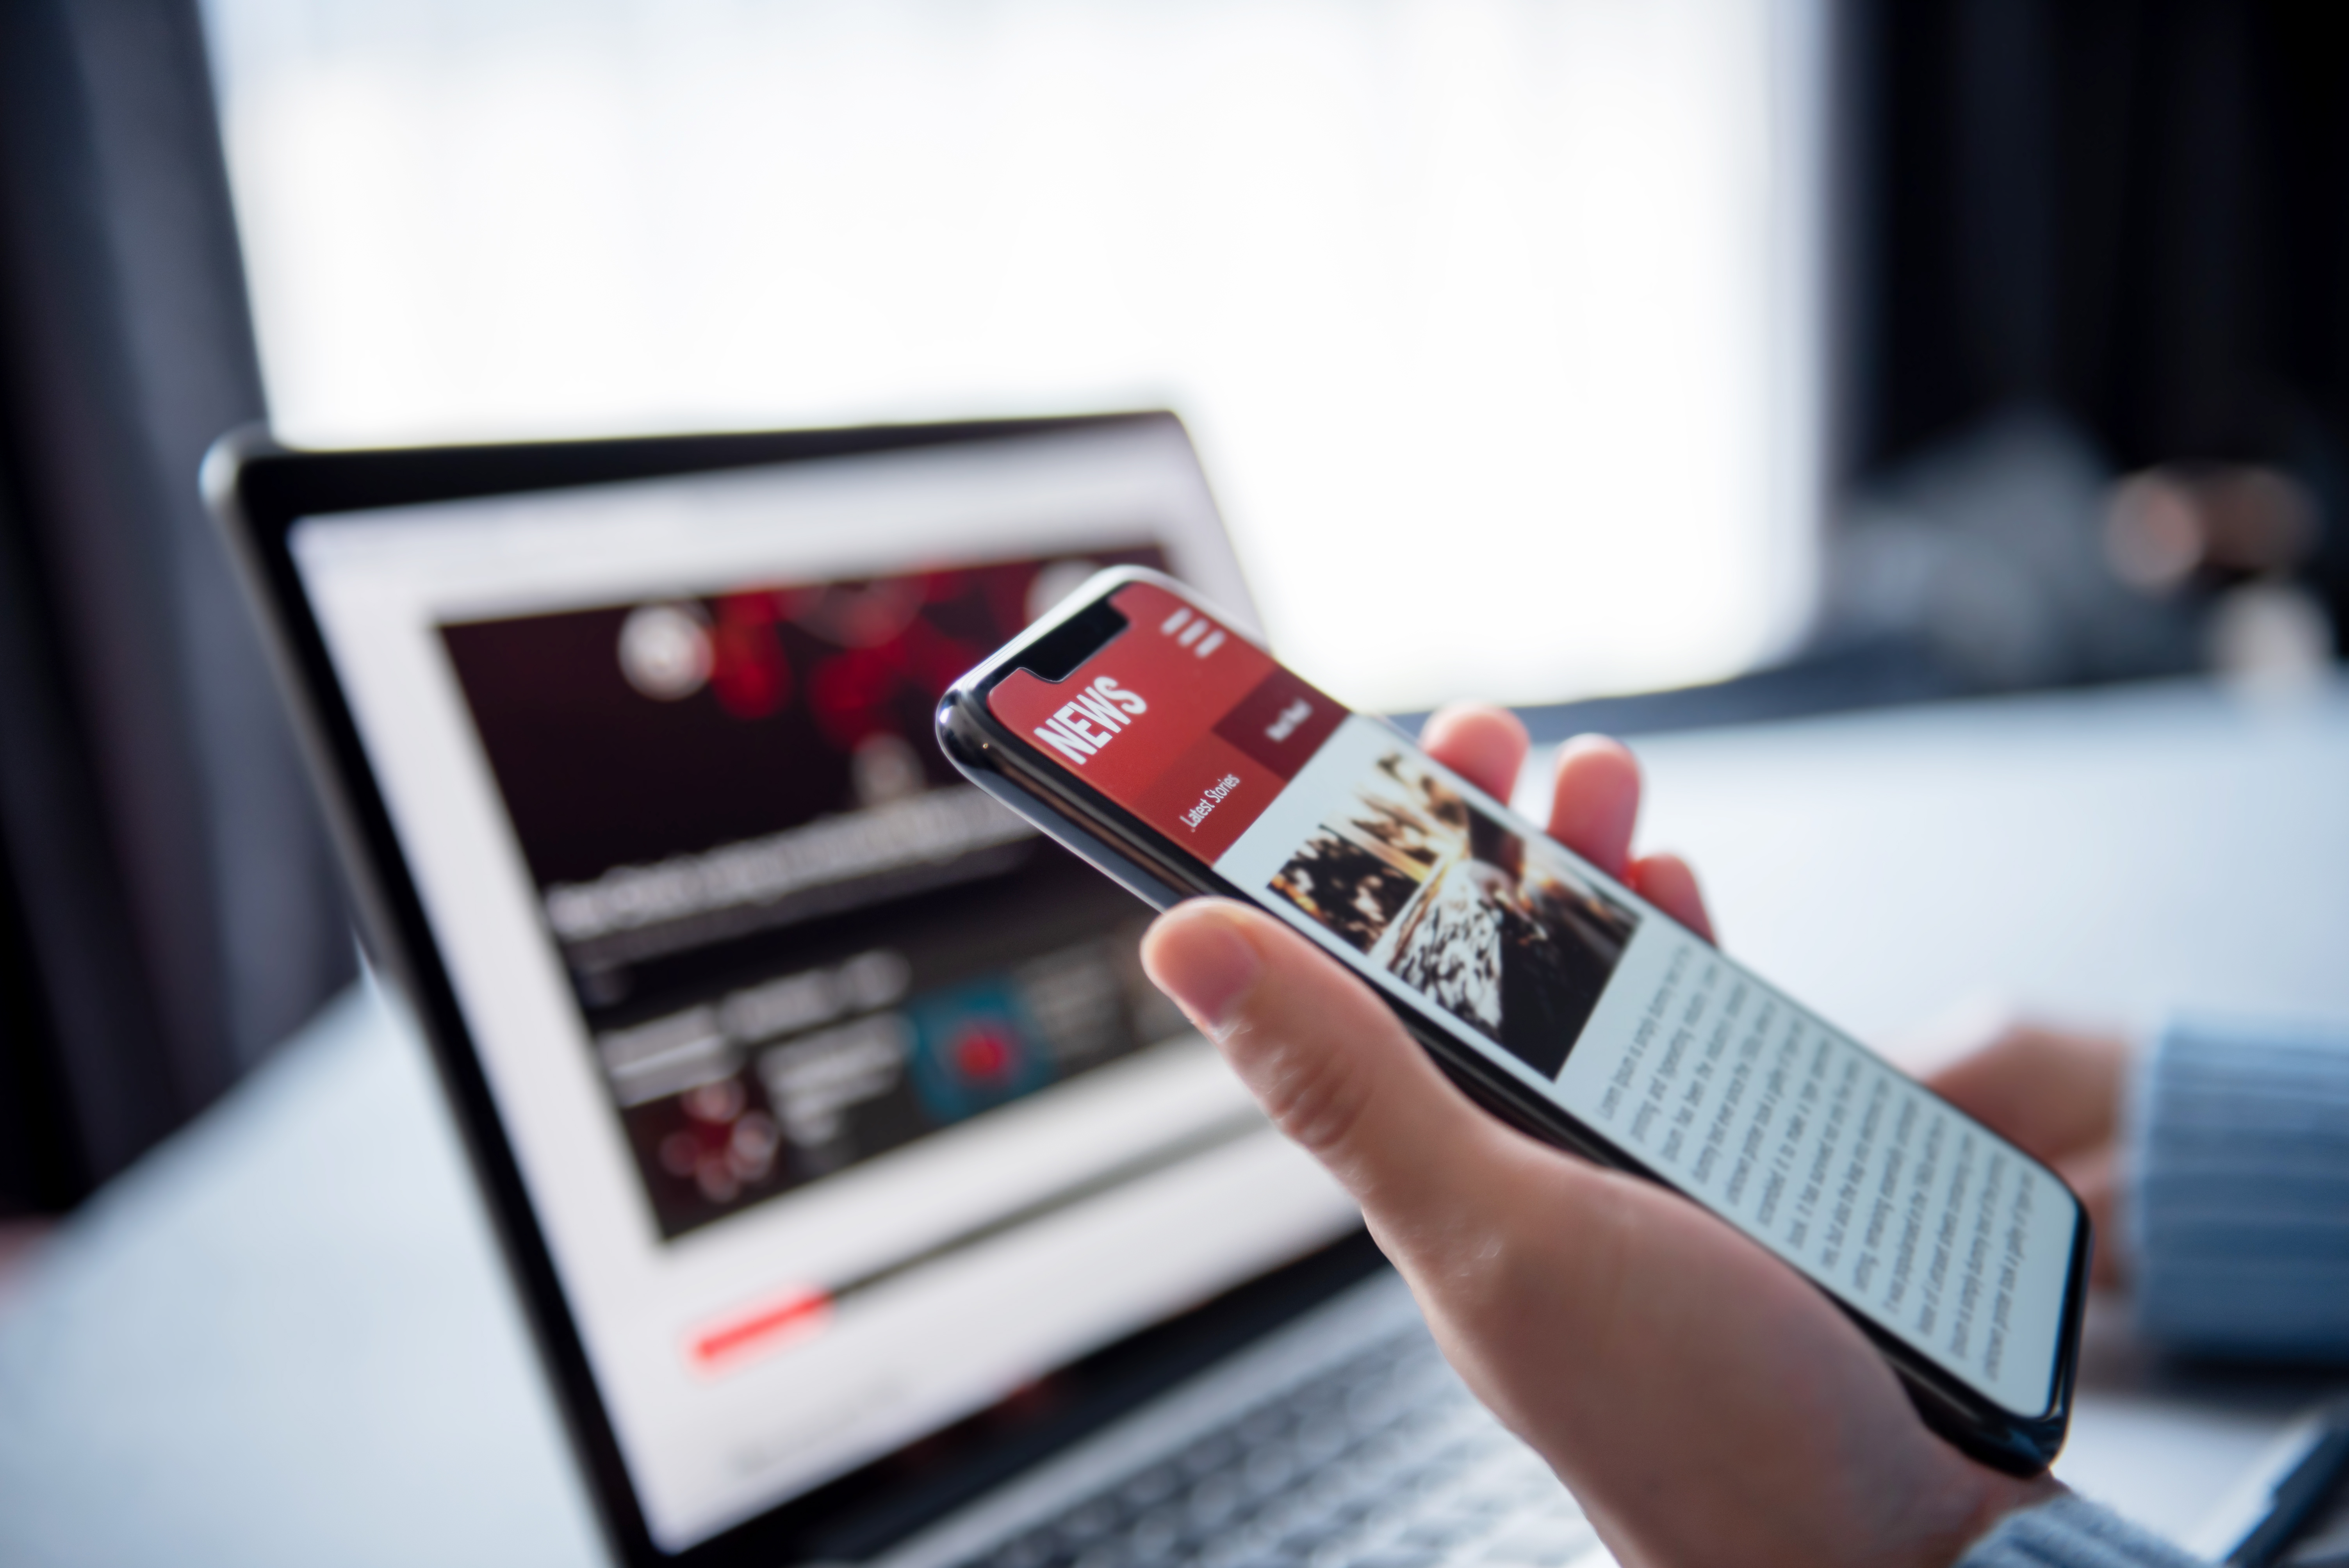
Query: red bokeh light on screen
x=983, y=1055
x=748, y=670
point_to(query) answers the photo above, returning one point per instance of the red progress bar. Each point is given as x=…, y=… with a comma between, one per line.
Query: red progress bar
x=801, y=1311
x=793, y=1312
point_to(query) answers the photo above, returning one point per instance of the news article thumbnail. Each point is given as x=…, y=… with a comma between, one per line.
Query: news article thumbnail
x=798, y=939
x=1500, y=930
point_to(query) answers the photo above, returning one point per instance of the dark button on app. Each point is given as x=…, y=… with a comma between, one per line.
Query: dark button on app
x=1281, y=724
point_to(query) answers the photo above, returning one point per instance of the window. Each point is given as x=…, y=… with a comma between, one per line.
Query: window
x=1492, y=318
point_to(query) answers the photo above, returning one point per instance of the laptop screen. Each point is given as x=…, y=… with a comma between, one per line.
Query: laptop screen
x=837, y=1092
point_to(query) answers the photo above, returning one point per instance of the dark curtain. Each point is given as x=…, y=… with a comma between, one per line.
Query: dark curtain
x=2135, y=215
x=168, y=908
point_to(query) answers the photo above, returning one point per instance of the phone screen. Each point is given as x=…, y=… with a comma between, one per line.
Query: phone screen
x=1910, y=1213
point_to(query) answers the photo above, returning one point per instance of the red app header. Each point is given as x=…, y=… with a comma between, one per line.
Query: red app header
x=1185, y=723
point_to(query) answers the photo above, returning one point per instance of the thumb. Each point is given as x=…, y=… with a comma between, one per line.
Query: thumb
x=1330, y=1065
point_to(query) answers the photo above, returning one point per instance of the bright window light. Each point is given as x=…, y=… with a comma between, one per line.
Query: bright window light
x=1493, y=319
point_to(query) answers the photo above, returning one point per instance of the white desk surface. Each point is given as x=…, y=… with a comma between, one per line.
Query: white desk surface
x=283, y=1337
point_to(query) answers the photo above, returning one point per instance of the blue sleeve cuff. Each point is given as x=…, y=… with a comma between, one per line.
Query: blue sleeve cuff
x=2237, y=1214
x=2071, y=1532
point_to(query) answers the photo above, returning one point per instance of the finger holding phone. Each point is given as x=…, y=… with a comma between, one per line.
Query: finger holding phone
x=1704, y=1403
x=1523, y=1057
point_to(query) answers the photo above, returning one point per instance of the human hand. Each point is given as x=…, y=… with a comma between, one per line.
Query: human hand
x=1706, y=1404
x=2056, y=1095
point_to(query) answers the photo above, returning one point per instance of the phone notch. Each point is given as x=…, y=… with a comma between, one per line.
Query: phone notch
x=1059, y=652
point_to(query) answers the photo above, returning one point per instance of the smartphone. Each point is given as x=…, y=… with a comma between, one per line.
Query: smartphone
x=1143, y=730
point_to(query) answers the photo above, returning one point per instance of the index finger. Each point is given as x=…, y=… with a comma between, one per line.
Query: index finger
x=1484, y=744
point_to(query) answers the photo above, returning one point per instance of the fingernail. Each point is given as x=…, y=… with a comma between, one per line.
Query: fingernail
x=1206, y=965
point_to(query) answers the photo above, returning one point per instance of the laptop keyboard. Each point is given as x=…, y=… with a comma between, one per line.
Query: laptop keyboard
x=1384, y=1461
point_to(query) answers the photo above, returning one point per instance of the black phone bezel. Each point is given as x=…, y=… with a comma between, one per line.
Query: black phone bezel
x=257, y=491
x=1007, y=764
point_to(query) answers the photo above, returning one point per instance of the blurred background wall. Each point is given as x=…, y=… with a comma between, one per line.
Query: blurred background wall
x=1449, y=291
x=2094, y=363
x=1779, y=354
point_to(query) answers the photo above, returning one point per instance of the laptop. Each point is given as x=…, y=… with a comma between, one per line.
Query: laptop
x=866, y=1202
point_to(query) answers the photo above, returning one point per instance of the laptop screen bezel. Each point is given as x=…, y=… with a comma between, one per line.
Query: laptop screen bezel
x=259, y=491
